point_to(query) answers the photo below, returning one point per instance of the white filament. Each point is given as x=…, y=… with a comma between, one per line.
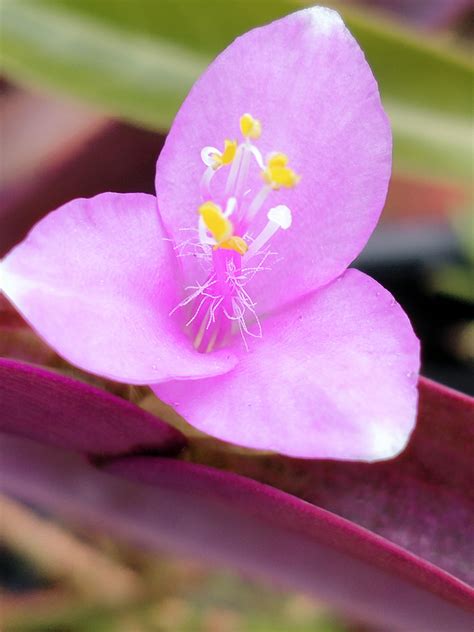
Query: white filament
x=230, y=206
x=234, y=170
x=207, y=155
x=240, y=167
x=203, y=236
x=205, y=183
x=257, y=202
x=278, y=217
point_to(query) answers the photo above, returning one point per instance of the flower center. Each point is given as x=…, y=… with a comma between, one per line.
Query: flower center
x=227, y=245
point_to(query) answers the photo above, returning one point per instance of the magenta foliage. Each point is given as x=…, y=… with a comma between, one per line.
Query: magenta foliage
x=65, y=413
x=257, y=528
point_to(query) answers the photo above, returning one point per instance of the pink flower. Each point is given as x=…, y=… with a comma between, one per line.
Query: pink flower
x=230, y=295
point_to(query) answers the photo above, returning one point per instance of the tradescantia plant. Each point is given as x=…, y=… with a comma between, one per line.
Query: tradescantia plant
x=229, y=293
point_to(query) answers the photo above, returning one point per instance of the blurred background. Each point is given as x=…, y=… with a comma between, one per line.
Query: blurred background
x=88, y=89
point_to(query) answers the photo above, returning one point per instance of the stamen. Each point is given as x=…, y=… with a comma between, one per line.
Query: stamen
x=203, y=238
x=214, y=158
x=277, y=174
x=207, y=155
x=278, y=217
x=216, y=222
x=212, y=219
x=230, y=206
x=256, y=154
x=230, y=149
x=243, y=171
x=235, y=243
x=257, y=203
x=221, y=306
x=205, y=184
x=250, y=127
x=212, y=340
x=234, y=170
x=236, y=180
x=201, y=332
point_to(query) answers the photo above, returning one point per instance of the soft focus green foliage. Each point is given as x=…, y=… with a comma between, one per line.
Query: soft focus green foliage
x=457, y=279
x=137, y=59
x=178, y=596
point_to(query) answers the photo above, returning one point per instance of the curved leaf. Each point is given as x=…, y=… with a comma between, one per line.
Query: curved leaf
x=42, y=405
x=227, y=519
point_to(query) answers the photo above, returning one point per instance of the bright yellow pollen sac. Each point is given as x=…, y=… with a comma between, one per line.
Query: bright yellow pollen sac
x=221, y=228
x=235, y=243
x=250, y=127
x=216, y=223
x=278, y=160
x=227, y=156
x=277, y=174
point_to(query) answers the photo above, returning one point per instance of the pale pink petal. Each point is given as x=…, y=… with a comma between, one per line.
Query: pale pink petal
x=96, y=280
x=334, y=376
x=307, y=80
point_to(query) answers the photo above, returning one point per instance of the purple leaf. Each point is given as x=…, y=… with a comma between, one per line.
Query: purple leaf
x=421, y=501
x=48, y=407
x=228, y=519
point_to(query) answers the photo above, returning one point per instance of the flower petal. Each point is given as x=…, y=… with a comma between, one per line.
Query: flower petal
x=307, y=80
x=333, y=376
x=96, y=280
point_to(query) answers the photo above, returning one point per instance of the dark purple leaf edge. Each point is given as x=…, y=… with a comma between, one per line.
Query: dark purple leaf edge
x=64, y=412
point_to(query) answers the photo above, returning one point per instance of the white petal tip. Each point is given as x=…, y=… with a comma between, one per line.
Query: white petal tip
x=387, y=444
x=322, y=20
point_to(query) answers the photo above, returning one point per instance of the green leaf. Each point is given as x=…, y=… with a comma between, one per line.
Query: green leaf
x=137, y=59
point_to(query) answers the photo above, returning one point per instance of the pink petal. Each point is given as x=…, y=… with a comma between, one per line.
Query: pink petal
x=42, y=405
x=333, y=376
x=96, y=280
x=261, y=531
x=308, y=82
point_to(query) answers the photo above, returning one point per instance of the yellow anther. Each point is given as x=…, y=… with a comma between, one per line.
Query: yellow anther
x=227, y=156
x=277, y=160
x=277, y=174
x=250, y=127
x=221, y=228
x=216, y=222
x=234, y=243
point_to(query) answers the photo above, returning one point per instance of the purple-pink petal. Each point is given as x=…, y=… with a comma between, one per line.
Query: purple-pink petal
x=306, y=79
x=334, y=376
x=97, y=280
x=66, y=413
x=227, y=519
